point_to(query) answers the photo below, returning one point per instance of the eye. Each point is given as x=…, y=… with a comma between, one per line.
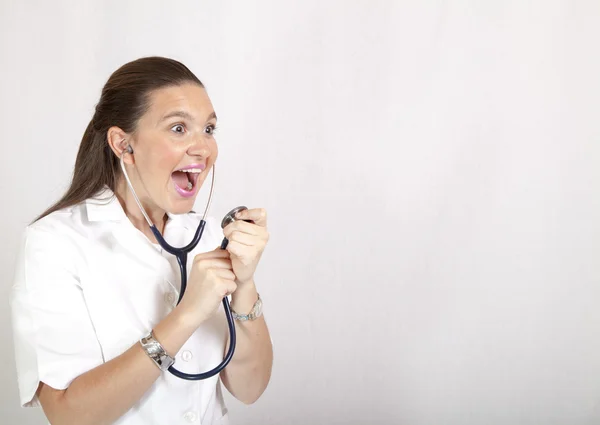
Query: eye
x=178, y=128
x=210, y=129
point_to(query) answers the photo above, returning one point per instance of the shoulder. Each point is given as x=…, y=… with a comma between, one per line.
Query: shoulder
x=48, y=255
x=63, y=236
x=65, y=225
x=82, y=221
x=53, y=239
x=57, y=221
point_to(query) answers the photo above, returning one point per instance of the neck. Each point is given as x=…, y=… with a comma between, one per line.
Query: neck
x=133, y=212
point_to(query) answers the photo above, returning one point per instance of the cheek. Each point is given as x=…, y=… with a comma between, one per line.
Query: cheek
x=164, y=160
x=214, y=150
x=168, y=161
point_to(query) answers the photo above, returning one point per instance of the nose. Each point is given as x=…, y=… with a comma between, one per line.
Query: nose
x=199, y=147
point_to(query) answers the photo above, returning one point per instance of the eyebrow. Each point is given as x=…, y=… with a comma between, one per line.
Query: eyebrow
x=185, y=115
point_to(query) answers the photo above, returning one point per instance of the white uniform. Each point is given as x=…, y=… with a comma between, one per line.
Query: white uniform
x=89, y=285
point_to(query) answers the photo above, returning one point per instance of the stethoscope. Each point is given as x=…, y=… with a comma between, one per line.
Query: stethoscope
x=181, y=255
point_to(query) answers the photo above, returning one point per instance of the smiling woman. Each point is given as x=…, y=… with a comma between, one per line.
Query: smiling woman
x=95, y=320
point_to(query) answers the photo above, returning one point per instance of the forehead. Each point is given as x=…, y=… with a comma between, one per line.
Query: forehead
x=189, y=98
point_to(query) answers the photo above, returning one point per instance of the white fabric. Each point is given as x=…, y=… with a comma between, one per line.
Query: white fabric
x=88, y=286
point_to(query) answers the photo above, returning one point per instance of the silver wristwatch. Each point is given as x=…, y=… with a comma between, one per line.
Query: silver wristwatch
x=255, y=313
x=156, y=352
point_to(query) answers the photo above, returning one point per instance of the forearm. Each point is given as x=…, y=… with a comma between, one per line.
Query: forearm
x=249, y=372
x=106, y=392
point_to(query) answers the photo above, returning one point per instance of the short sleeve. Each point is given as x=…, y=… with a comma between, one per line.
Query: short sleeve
x=54, y=338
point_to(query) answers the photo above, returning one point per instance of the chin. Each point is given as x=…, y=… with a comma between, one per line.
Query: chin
x=181, y=206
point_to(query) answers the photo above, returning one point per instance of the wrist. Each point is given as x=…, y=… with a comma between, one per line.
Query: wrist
x=156, y=351
x=176, y=328
x=187, y=318
x=245, y=283
x=244, y=297
x=254, y=313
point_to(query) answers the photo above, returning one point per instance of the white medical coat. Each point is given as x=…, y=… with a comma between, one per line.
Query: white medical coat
x=89, y=285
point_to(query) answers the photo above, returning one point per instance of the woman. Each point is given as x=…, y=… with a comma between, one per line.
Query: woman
x=95, y=296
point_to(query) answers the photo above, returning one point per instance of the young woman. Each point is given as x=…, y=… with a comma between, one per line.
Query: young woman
x=94, y=304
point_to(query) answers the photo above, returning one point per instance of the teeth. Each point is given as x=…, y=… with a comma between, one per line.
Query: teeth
x=192, y=170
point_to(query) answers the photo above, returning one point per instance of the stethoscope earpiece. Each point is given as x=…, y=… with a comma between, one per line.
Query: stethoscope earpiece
x=129, y=149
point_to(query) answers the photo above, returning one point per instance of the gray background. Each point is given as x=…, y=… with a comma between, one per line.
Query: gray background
x=431, y=171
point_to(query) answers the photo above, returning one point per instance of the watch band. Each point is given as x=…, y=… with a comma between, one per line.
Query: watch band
x=156, y=352
x=255, y=313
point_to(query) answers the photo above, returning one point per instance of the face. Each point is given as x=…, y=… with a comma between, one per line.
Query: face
x=174, y=148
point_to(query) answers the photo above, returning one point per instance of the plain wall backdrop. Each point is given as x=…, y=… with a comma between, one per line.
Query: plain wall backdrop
x=431, y=170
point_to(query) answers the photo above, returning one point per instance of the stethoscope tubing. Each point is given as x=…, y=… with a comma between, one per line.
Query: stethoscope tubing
x=181, y=255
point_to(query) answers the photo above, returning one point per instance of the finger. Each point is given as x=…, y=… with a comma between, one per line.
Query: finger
x=257, y=215
x=217, y=253
x=226, y=288
x=225, y=274
x=243, y=238
x=215, y=263
x=243, y=226
x=241, y=251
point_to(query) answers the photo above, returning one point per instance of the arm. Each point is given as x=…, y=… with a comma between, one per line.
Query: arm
x=247, y=375
x=103, y=394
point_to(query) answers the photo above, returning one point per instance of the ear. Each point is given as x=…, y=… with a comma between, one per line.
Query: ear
x=118, y=141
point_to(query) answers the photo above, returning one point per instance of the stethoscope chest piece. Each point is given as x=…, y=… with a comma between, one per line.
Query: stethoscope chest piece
x=230, y=216
x=228, y=219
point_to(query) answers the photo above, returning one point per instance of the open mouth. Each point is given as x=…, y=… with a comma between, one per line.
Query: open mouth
x=186, y=180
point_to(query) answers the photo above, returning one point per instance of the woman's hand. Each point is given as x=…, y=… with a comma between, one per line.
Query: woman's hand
x=247, y=241
x=211, y=279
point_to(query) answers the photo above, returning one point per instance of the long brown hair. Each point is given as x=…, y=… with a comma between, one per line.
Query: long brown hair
x=124, y=99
